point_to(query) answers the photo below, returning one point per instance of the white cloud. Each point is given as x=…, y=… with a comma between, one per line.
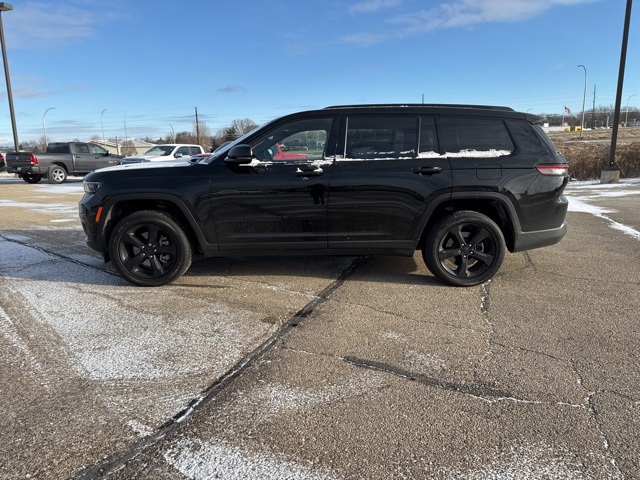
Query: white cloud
x=35, y=24
x=371, y=6
x=464, y=13
x=452, y=14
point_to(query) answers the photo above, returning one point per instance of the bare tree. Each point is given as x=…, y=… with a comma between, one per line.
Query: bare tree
x=128, y=148
x=185, y=137
x=41, y=144
x=205, y=134
x=242, y=126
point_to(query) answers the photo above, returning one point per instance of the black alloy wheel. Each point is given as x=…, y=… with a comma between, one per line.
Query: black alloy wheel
x=464, y=249
x=150, y=248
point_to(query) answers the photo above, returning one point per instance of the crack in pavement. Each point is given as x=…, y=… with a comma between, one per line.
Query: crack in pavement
x=485, y=393
x=119, y=460
x=593, y=414
x=485, y=310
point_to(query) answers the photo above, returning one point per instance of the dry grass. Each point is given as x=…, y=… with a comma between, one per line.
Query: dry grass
x=587, y=156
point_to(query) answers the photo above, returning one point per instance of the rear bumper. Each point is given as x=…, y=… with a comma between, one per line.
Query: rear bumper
x=540, y=238
x=24, y=170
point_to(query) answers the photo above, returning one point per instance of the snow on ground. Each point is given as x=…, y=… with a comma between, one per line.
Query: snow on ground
x=196, y=459
x=583, y=194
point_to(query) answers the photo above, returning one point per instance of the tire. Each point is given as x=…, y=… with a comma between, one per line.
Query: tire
x=464, y=249
x=31, y=178
x=150, y=248
x=56, y=174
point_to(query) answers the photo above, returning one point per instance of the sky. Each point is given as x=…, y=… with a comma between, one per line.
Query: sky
x=141, y=68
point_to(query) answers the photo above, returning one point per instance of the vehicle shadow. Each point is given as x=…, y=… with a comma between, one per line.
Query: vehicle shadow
x=61, y=255
x=384, y=269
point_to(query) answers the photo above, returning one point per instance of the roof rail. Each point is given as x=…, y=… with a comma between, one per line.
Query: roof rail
x=425, y=105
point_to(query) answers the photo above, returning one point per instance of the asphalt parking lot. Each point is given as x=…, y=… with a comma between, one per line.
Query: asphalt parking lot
x=319, y=368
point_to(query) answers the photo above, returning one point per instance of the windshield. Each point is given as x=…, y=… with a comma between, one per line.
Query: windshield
x=161, y=150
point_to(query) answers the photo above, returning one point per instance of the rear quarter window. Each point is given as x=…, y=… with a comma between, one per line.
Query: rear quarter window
x=476, y=137
x=528, y=138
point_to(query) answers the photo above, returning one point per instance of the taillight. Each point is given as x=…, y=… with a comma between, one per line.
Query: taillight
x=33, y=159
x=553, y=169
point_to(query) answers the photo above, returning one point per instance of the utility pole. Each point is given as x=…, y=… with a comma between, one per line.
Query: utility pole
x=197, y=127
x=593, y=112
x=611, y=173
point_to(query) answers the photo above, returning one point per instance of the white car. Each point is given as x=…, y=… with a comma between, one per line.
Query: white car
x=169, y=151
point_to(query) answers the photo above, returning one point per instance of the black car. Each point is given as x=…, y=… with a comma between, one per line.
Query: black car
x=463, y=183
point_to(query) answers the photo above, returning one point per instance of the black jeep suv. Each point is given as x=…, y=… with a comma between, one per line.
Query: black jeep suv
x=463, y=183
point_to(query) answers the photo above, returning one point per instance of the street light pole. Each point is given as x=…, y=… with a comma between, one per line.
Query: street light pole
x=173, y=132
x=104, y=144
x=584, y=98
x=611, y=173
x=6, y=7
x=44, y=126
x=626, y=117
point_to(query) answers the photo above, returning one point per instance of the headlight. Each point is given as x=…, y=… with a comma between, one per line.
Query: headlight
x=91, y=187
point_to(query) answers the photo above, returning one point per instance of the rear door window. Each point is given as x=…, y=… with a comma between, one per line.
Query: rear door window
x=377, y=137
x=476, y=137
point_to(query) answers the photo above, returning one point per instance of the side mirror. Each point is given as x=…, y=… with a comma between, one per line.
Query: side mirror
x=177, y=155
x=239, y=155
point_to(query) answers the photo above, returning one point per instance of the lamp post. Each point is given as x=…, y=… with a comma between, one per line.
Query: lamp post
x=6, y=7
x=104, y=144
x=584, y=98
x=626, y=117
x=44, y=126
x=173, y=133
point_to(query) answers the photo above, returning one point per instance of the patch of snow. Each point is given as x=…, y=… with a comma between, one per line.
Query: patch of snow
x=540, y=461
x=199, y=460
x=280, y=399
x=115, y=334
x=596, y=191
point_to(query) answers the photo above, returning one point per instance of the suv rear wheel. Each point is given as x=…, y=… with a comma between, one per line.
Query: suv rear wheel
x=465, y=248
x=150, y=248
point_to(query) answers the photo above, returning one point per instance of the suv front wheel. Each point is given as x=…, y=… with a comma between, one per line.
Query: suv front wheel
x=465, y=248
x=150, y=248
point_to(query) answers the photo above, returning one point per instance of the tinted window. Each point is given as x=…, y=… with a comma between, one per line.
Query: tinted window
x=194, y=150
x=298, y=140
x=58, y=148
x=82, y=148
x=530, y=138
x=428, y=138
x=476, y=137
x=381, y=137
x=183, y=150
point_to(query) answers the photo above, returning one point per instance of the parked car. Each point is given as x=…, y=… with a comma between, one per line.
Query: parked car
x=463, y=184
x=59, y=161
x=170, y=151
x=2, y=165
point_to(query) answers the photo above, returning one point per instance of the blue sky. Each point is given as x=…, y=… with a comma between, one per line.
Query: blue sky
x=151, y=63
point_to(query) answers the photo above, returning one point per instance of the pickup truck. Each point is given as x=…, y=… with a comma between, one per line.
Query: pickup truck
x=60, y=160
x=168, y=151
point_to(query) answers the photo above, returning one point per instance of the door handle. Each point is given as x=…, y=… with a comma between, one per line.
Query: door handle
x=427, y=170
x=309, y=171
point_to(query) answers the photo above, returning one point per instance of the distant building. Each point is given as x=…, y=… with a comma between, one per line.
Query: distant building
x=140, y=146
